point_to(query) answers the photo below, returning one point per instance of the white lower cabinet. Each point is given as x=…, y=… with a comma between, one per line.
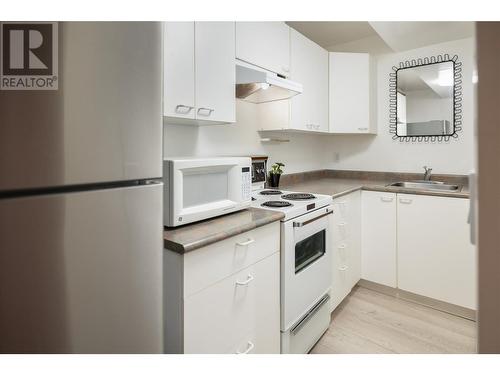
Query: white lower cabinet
x=346, y=256
x=419, y=244
x=225, y=297
x=240, y=313
x=435, y=257
x=378, y=239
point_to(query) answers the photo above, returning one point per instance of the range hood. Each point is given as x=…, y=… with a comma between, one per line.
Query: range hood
x=260, y=86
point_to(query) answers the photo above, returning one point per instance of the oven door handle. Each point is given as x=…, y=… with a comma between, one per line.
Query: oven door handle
x=304, y=223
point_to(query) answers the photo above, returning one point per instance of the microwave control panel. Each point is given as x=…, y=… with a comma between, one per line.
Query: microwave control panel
x=246, y=183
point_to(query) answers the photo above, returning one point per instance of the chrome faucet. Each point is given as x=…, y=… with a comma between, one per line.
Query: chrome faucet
x=427, y=174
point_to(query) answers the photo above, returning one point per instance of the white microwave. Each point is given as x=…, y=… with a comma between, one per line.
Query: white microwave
x=200, y=188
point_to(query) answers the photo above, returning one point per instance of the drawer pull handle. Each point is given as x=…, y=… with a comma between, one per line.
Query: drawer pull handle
x=385, y=199
x=405, y=201
x=181, y=108
x=205, y=111
x=246, y=282
x=342, y=224
x=250, y=346
x=246, y=243
x=343, y=246
x=343, y=268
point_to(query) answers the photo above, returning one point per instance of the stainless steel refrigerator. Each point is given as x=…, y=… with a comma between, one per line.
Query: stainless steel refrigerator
x=81, y=197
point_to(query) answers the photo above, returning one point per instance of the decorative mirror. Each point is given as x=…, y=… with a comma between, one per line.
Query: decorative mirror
x=426, y=99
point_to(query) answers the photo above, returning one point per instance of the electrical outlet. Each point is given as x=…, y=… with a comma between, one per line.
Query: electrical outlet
x=336, y=156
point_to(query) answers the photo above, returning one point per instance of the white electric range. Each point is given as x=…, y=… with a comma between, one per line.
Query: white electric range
x=292, y=204
x=306, y=250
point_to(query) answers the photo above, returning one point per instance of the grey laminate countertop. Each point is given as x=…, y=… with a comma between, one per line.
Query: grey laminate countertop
x=344, y=184
x=336, y=183
x=193, y=236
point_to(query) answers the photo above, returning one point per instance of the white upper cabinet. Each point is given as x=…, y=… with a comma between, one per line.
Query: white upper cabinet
x=309, y=66
x=265, y=44
x=215, y=71
x=199, y=72
x=178, y=73
x=350, y=94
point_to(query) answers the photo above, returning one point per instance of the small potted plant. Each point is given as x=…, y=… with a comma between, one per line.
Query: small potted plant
x=275, y=173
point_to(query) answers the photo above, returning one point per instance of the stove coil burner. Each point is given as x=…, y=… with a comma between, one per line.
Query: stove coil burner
x=278, y=204
x=298, y=196
x=271, y=192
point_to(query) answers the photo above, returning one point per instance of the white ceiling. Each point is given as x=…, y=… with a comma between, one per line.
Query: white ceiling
x=402, y=36
x=436, y=77
x=330, y=33
x=381, y=37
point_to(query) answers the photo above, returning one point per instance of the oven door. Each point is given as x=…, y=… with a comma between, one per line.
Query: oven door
x=306, y=264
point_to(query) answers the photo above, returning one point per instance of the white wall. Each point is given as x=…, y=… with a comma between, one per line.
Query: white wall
x=304, y=152
x=381, y=153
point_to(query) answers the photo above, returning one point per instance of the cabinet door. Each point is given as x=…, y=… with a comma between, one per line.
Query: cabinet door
x=346, y=257
x=215, y=71
x=340, y=267
x=349, y=93
x=309, y=66
x=240, y=313
x=265, y=44
x=178, y=75
x=435, y=257
x=378, y=237
x=354, y=253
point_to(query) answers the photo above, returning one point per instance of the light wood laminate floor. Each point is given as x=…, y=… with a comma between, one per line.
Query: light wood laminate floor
x=371, y=322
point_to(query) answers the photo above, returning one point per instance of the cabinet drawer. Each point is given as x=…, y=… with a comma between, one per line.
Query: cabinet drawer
x=341, y=229
x=341, y=206
x=206, y=266
x=342, y=249
x=243, y=308
x=341, y=281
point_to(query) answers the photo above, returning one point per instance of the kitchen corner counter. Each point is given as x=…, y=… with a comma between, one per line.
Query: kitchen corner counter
x=193, y=236
x=338, y=183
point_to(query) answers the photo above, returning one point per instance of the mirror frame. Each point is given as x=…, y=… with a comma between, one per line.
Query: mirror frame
x=457, y=98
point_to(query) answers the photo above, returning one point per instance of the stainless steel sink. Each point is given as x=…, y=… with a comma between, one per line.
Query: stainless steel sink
x=426, y=185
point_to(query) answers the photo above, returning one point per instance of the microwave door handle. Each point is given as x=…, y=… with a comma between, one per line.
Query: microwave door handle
x=304, y=223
